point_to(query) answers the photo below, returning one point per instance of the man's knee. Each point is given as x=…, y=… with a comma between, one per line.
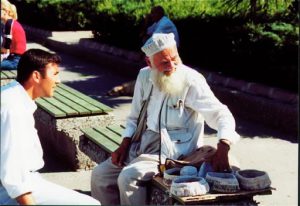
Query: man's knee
x=128, y=176
x=98, y=172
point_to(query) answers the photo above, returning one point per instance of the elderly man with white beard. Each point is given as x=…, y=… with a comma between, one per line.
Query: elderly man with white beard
x=180, y=101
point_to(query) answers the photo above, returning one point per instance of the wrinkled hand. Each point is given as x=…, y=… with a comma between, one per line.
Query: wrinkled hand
x=118, y=156
x=219, y=161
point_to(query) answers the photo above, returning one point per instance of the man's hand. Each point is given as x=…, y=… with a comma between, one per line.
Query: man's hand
x=26, y=199
x=118, y=156
x=219, y=161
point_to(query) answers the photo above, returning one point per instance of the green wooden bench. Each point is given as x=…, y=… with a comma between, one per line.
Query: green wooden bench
x=68, y=102
x=59, y=121
x=7, y=76
x=100, y=142
x=107, y=139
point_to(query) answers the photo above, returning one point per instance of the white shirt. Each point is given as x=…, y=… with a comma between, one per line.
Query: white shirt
x=164, y=25
x=21, y=151
x=197, y=105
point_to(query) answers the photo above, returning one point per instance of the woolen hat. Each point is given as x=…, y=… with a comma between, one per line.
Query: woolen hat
x=222, y=182
x=184, y=186
x=253, y=179
x=170, y=174
x=188, y=171
x=158, y=42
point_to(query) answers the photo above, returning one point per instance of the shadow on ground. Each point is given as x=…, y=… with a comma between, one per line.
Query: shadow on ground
x=248, y=129
x=54, y=164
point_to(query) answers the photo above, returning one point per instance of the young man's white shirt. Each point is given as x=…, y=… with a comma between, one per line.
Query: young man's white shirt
x=21, y=151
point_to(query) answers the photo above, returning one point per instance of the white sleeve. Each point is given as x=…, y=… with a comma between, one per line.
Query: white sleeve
x=15, y=177
x=201, y=99
x=131, y=123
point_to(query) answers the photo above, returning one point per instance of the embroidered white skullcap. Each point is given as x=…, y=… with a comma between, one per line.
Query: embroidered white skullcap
x=222, y=182
x=184, y=186
x=158, y=42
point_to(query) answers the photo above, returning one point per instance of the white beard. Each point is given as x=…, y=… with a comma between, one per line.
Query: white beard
x=173, y=85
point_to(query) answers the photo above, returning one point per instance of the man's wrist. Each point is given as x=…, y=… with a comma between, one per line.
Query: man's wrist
x=26, y=199
x=225, y=143
x=126, y=141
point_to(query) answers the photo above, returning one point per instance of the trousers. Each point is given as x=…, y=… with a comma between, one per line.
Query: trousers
x=114, y=185
x=48, y=193
x=10, y=63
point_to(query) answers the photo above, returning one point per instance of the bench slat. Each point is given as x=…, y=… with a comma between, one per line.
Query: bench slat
x=9, y=74
x=80, y=101
x=65, y=108
x=100, y=140
x=3, y=75
x=54, y=111
x=12, y=74
x=109, y=134
x=81, y=110
x=90, y=100
x=116, y=129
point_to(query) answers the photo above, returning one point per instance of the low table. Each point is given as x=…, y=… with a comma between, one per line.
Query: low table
x=160, y=194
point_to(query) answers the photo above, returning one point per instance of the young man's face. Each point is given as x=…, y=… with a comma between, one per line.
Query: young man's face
x=48, y=83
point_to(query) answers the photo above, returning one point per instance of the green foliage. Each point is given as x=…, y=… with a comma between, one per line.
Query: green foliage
x=132, y=8
x=255, y=7
x=280, y=33
x=237, y=37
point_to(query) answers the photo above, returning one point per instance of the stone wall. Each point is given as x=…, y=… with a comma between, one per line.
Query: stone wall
x=61, y=136
x=92, y=150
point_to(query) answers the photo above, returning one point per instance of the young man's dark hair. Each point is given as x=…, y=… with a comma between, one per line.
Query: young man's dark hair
x=34, y=60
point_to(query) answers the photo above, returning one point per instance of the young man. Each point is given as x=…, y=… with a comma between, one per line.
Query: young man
x=180, y=101
x=21, y=151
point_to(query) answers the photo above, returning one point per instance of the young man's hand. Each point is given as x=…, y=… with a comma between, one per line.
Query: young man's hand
x=26, y=199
